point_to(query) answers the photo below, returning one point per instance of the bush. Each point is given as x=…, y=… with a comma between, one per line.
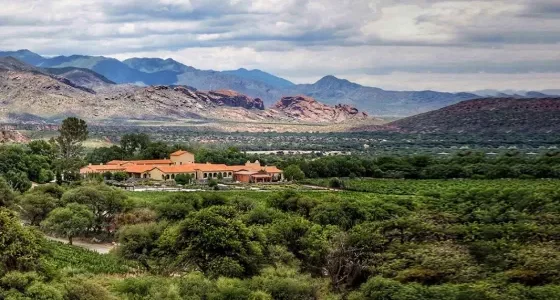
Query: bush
x=183, y=179
x=120, y=176
x=336, y=183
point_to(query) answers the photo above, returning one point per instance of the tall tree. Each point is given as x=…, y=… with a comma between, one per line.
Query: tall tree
x=73, y=132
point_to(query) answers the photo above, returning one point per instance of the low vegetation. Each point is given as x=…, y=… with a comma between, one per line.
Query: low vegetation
x=370, y=238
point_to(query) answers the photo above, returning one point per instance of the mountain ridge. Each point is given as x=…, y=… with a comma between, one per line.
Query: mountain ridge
x=30, y=94
x=535, y=115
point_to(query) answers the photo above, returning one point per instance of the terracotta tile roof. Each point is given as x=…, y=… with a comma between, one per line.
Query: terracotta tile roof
x=100, y=168
x=180, y=152
x=152, y=162
x=211, y=167
x=116, y=162
x=261, y=175
x=272, y=169
x=139, y=168
x=246, y=173
x=178, y=169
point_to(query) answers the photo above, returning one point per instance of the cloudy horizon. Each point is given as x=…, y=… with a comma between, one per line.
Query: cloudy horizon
x=400, y=45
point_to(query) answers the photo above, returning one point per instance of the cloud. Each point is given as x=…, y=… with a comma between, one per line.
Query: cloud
x=304, y=39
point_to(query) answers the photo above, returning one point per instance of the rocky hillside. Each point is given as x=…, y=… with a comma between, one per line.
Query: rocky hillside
x=12, y=136
x=376, y=101
x=30, y=95
x=254, y=83
x=488, y=115
x=309, y=110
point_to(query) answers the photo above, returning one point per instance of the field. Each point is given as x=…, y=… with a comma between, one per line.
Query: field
x=422, y=187
x=81, y=261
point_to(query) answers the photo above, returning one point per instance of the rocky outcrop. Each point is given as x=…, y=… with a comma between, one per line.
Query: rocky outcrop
x=29, y=96
x=12, y=136
x=235, y=99
x=309, y=110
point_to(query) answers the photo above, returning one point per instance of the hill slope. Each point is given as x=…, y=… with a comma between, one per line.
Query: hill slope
x=254, y=83
x=258, y=75
x=376, y=101
x=31, y=94
x=488, y=115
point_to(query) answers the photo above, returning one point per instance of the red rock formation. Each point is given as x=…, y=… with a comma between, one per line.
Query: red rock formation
x=12, y=136
x=308, y=109
x=235, y=99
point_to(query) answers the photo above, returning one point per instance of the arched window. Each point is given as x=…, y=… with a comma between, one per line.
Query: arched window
x=224, y=174
x=205, y=175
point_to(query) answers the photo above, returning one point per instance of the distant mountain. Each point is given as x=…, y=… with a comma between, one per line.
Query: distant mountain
x=517, y=93
x=32, y=94
x=551, y=92
x=254, y=83
x=488, y=115
x=376, y=101
x=10, y=63
x=154, y=65
x=258, y=75
x=80, y=76
x=24, y=56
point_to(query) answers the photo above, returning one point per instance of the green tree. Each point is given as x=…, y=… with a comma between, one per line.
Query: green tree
x=293, y=173
x=18, y=181
x=20, y=247
x=72, y=220
x=120, y=176
x=133, y=143
x=105, y=203
x=7, y=196
x=140, y=242
x=73, y=132
x=36, y=206
x=218, y=243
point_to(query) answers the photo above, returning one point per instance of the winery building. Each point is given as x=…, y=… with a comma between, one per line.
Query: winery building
x=182, y=162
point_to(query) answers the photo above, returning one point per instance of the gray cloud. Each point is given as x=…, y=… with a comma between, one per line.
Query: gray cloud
x=301, y=39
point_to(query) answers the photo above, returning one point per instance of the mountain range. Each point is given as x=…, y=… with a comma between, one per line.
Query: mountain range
x=253, y=83
x=30, y=94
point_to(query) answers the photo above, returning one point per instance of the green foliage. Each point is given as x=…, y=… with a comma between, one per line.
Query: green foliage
x=20, y=247
x=293, y=172
x=76, y=260
x=336, y=183
x=139, y=242
x=7, y=196
x=36, y=206
x=120, y=176
x=183, y=179
x=18, y=181
x=215, y=234
x=105, y=203
x=70, y=221
x=176, y=207
x=72, y=133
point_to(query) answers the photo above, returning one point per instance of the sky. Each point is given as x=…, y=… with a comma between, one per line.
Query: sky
x=442, y=45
